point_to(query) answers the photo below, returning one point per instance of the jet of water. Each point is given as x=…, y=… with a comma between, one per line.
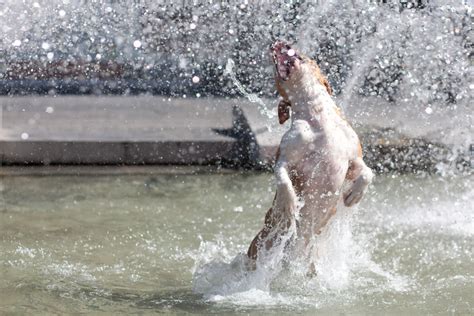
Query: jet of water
x=252, y=97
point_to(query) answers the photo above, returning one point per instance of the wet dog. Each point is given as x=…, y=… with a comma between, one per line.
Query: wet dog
x=319, y=160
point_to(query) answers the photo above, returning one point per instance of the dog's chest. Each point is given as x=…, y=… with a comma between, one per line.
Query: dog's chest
x=317, y=154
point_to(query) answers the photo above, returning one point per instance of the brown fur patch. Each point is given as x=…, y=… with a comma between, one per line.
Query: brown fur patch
x=281, y=91
x=317, y=73
x=359, y=150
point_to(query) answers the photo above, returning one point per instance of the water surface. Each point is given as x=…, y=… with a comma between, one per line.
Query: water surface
x=131, y=243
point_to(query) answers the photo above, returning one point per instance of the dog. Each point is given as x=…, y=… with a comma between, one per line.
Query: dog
x=319, y=160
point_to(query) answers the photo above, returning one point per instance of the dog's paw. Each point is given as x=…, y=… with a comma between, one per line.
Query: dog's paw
x=357, y=190
x=355, y=193
x=352, y=197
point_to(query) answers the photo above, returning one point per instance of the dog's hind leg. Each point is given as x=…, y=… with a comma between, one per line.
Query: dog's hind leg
x=279, y=218
x=261, y=238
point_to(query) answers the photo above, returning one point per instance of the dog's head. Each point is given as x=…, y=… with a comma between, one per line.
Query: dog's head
x=291, y=71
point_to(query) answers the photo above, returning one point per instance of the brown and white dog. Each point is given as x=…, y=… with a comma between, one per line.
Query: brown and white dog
x=317, y=157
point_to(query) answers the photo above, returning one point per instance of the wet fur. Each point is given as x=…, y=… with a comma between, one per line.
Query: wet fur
x=284, y=105
x=316, y=156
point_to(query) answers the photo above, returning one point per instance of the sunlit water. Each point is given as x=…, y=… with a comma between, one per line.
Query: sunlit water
x=170, y=243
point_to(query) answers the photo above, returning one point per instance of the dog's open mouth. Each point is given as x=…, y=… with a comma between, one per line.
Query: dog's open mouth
x=285, y=59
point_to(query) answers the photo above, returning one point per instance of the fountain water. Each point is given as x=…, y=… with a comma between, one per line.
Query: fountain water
x=403, y=65
x=397, y=63
x=252, y=97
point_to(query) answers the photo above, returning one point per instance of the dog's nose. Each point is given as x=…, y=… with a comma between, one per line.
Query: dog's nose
x=282, y=48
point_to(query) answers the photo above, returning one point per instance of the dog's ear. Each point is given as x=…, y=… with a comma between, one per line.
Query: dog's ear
x=283, y=111
x=321, y=78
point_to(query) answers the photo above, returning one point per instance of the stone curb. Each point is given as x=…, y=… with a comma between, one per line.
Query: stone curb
x=85, y=130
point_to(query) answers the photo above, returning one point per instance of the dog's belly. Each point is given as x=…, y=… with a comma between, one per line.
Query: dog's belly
x=321, y=177
x=321, y=170
x=323, y=187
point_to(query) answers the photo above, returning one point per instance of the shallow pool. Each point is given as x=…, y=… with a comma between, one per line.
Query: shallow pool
x=131, y=244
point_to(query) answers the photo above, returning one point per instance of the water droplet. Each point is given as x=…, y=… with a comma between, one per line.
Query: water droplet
x=49, y=110
x=24, y=136
x=291, y=52
x=45, y=46
x=16, y=43
x=62, y=13
x=137, y=44
x=50, y=55
x=428, y=110
x=192, y=26
x=196, y=79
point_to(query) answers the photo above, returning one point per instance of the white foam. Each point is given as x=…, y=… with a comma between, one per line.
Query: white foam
x=441, y=216
x=342, y=267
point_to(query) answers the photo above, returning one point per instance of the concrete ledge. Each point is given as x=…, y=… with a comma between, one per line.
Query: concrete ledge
x=110, y=170
x=114, y=130
x=132, y=153
x=140, y=130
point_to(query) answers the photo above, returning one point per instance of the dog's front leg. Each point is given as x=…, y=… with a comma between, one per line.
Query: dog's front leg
x=286, y=198
x=361, y=176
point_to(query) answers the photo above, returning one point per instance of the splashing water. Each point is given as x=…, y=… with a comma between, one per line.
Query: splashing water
x=252, y=97
x=343, y=265
x=216, y=277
